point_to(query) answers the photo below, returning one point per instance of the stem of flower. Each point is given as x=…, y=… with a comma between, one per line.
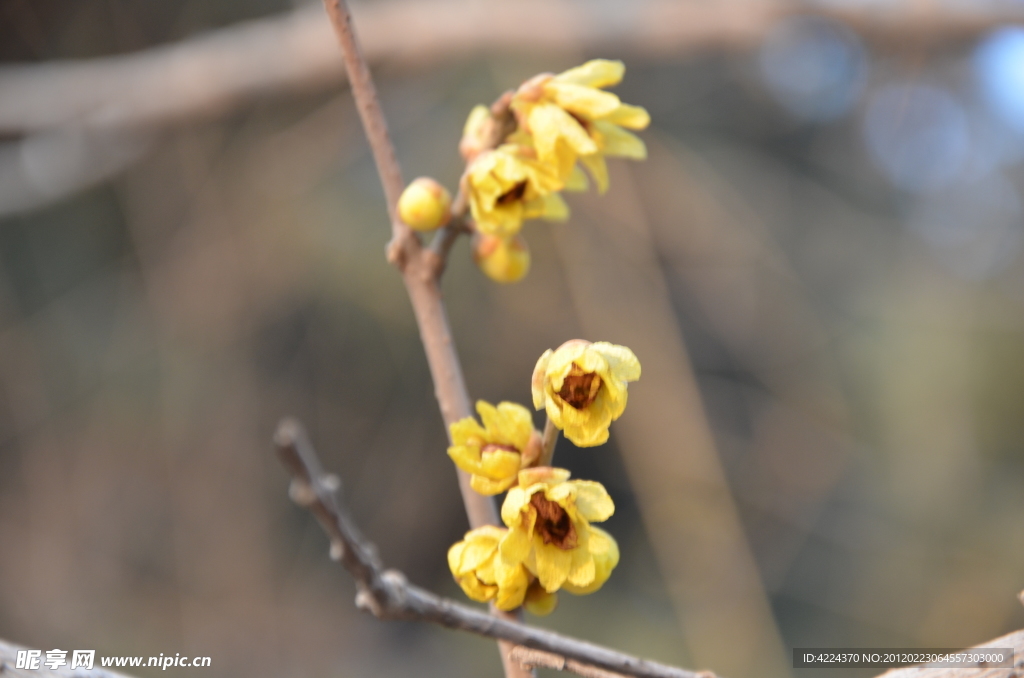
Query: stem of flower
x=549, y=441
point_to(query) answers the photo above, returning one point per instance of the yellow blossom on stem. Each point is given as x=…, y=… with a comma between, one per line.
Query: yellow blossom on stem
x=548, y=518
x=582, y=386
x=571, y=117
x=482, y=574
x=509, y=185
x=493, y=454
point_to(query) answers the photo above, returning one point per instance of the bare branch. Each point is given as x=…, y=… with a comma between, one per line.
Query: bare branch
x=388, y=595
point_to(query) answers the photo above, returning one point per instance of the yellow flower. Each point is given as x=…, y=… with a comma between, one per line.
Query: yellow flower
x=502, y=260
x=549, y=517
x=482, y=574
x=571, y=118
x=495, y=452
x=582, y=386
x=507, y=186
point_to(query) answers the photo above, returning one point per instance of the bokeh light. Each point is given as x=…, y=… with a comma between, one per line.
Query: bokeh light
x=918, y=135
x=814, y=68
x=999, y=69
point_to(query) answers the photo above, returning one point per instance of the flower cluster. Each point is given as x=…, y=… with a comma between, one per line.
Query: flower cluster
x=517, y=168
x=548, y=542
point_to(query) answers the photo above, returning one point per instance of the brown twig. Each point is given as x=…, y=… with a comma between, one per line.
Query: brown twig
x=420, y=273
x=538, y=659
x=403, y=242
x=388, y=595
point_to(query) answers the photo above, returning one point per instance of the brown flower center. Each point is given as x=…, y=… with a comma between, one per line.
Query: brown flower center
x=580, y=388
x=553, y=524
x=512, y=195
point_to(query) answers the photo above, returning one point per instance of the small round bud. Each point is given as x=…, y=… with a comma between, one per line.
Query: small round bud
x=504, y=261
x=425, y=205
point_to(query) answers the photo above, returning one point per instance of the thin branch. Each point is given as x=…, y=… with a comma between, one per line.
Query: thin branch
x=403, y=242
x=388, y=595
x=420, y=273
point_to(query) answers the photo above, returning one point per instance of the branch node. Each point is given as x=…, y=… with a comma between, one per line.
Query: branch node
x=365, y=600
x=300, y=492
x=337, y=551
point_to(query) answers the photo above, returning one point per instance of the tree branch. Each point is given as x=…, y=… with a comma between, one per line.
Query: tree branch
x=215, y=72
x=388, y=595
x=420, y=272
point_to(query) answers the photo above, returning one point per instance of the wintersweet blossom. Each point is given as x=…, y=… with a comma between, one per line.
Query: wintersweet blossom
x=548, y=518
x=495, y=453
x=582, y=386
x=509, y=185
x=570, y=117
x=482, y=574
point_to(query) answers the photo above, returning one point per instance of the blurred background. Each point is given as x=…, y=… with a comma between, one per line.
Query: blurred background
x=820, y=267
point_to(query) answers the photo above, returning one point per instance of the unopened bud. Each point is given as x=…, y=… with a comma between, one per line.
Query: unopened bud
x=476, y=133
x=425, y=205
x=504, y=261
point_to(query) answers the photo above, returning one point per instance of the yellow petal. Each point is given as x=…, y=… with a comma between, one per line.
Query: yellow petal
x=553, y=564
x=606, y=556
x=594, y=73
x=617, y=142
x=513, y=582
x=516, y=500
x=514, y=424
x=598, y=169
x=583, y=569
x=455, y=556
x=542, y=477
x=540, y=602
x=476, y=589
x=537, y=381
x=586, y=102
x=489, y=488
x=633, y=117
x=577, y=180
x=549, y=123
x=515, y=547
x=593, y=501
x=554, y=208
x=477, y=117
x=586, y=434
x=499, y=464
x=621, y=360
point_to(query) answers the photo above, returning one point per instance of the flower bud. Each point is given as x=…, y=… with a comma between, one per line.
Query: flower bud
x=503, y=260
x=475, y=133
x=425, y=205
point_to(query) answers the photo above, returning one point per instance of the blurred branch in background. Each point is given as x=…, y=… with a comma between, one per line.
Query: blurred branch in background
x=213, y=73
